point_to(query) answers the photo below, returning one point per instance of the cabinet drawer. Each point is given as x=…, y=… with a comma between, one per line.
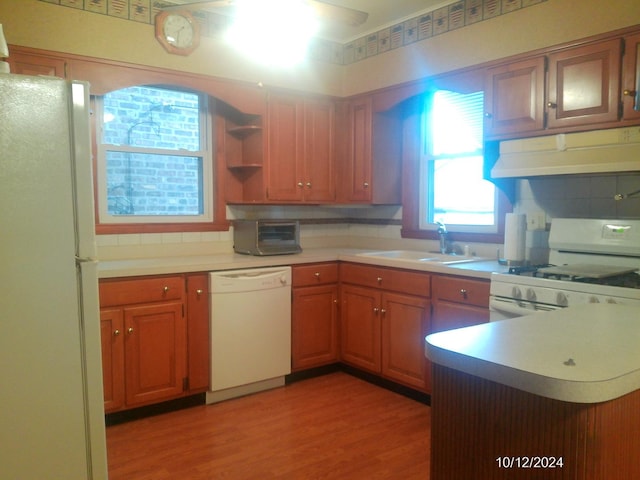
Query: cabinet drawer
x=461, y=290
x=413, y=283
x=145, y=290
x=315, y=274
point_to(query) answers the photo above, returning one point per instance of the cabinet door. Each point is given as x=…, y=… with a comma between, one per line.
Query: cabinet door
x=405, y=323
x=198, y=331
x=360, y=332
x=447, y=316
x=26, y=64
x=112, y=339
x=154, y=352
x=285, y=137
x=631, y=78
x=584, y=85
x=319, y=118
x=358, y=164
x=514, y=98
x=314, y=329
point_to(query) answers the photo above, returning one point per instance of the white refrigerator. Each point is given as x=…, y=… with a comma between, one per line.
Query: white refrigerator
x=51, y=405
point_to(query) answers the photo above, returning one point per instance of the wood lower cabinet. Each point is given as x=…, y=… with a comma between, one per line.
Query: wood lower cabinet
x=360, y=332
x=144, y=341
x=111, y=333
x=314, y=321
x=385, y=317
x=154, y=352
x=405, y=323
x=198, y=339
x=459, y=302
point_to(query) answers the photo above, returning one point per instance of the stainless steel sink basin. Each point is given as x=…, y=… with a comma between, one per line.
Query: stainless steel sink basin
x=418, y=256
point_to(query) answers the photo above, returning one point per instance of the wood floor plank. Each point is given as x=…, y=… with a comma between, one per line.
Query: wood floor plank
x=330, y=427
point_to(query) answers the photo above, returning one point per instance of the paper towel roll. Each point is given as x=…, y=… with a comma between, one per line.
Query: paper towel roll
x=515, y=233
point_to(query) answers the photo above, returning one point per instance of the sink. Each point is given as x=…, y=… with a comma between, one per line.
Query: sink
x=418, y=256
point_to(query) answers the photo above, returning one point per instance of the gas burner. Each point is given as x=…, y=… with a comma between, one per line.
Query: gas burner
x=529, y=270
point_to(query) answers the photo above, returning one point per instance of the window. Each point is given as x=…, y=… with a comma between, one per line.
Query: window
x=453, y=190
x=154, y=157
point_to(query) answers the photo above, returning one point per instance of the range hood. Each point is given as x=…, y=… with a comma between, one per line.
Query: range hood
x=601, y=151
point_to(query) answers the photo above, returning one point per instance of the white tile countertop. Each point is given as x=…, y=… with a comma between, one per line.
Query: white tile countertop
x=231, y=261
x=582, y=354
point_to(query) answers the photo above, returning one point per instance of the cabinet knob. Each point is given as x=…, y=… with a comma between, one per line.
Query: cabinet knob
x=383, y=311
x=199, y=292
x=365, y=185
x=165, y=289
x=116, y=332
x=308, y=184
x=552, y=105
x=379, y=280
x=300, y=184
x=317, y=274
x=376, y=310
x=488, y=115
x=130, y=330
x=463, y=292
x=629, y=93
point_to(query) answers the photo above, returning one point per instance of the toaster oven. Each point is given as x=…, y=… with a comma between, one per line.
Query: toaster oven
x=266, y=237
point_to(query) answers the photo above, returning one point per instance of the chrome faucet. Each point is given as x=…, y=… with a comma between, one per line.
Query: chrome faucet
x=442, y=233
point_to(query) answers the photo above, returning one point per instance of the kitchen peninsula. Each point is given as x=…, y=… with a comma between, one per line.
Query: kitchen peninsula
x=553, y=395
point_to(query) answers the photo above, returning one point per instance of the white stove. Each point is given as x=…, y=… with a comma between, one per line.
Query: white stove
x=591, y=261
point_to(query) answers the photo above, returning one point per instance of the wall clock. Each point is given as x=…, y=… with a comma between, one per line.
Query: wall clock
x=177, y=31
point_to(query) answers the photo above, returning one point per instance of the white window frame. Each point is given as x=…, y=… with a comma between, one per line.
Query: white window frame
x=425, y=166
x=206, y=153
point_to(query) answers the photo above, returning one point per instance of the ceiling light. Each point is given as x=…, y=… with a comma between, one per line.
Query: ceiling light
x=276, y=32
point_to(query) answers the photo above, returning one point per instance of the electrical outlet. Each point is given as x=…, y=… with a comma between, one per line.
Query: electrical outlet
x=536, y=221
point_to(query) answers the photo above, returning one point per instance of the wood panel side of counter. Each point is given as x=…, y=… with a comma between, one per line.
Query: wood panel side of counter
x=484, y=430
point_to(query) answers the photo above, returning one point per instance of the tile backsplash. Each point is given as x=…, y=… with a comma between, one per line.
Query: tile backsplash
x=580, y=196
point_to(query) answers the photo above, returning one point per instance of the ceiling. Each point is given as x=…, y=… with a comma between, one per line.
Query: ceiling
x=382, y=13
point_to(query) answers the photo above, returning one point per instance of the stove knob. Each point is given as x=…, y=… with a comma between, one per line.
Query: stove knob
x=594, y=299
x=562, y=300
x=531, y=294
x=516, y=293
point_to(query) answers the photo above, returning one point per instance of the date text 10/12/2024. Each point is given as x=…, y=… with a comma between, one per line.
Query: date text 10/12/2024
x=529, y=462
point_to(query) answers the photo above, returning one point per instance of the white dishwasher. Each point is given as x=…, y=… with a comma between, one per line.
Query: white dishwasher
x=250, y=331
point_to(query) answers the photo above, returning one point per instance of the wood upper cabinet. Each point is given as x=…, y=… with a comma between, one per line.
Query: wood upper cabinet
x=143, y=340
x=631, y=78
x=514, y=98
x=33, y=64
x=370, y=153
x=301, y=149
x=459, y=302
x=584, y=85
x=314, y=320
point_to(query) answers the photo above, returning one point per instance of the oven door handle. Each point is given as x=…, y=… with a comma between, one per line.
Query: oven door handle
x=509, y=307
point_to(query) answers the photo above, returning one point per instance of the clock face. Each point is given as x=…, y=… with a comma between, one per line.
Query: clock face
x=178, y=31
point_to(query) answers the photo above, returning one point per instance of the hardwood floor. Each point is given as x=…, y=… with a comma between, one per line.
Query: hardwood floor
x=330, y=427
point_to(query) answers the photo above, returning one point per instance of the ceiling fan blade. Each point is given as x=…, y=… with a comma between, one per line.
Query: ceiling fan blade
x=336, y=13
x=324, y=10
x=200, y=5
